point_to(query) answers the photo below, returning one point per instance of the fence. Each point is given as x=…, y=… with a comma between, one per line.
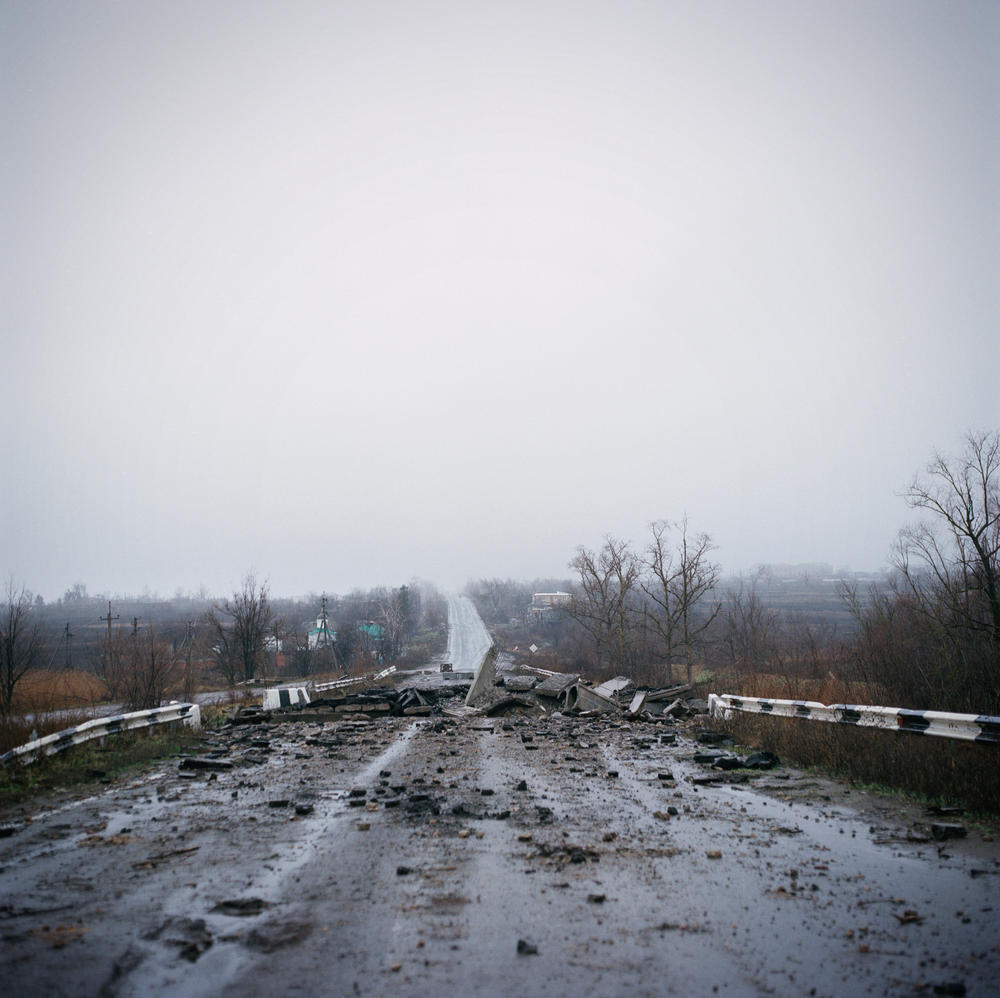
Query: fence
x=967, y=727
x=187, y=713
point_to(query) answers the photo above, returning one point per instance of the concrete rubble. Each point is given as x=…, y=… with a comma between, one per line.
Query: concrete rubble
x=388, y=701
x=431, y=844
x=501, y=688
x=571, y=695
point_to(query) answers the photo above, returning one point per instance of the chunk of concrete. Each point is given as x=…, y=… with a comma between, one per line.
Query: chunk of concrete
x=582, y=697
x=637, y=704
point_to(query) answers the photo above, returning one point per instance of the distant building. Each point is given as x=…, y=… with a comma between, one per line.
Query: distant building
x=548, y=601
x=545, y=604
x=375, y=631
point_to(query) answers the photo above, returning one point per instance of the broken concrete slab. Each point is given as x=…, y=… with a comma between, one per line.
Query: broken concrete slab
x=513, y=705
x=520, y=684
x=637, y=704
x=667, y=692
x=555, y=684
x=620, y=684
x=486, y=675
x=580, y=697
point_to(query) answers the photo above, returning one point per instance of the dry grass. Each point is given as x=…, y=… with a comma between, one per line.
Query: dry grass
x=938, y=770
x=47, y=701
x=43, y=690
x=828, y=690
x=17, y=731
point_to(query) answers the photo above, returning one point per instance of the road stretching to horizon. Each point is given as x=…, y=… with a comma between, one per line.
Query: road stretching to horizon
x=519, y=855
x=468, y=639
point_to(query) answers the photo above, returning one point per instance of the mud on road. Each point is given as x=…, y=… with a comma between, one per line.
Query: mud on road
x=510, y=856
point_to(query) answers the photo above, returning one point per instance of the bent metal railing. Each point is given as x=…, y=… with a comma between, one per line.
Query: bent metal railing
x=187, y=713
x=967, y=727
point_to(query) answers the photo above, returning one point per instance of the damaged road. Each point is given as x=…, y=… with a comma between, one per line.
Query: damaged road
x=523, y=854
x=401, y=843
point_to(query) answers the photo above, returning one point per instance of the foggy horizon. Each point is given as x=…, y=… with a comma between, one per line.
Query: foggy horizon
x=349, y=294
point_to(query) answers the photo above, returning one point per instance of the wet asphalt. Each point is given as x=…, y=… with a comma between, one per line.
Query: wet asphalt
x=517, y=855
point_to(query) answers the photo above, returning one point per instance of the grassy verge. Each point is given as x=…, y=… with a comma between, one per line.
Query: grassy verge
x=935, y=770
x=90, y=766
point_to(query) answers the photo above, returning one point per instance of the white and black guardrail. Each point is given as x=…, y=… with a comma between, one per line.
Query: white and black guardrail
x=338, y=684
x=283, y=697
x=187, y=713
x=967, y=727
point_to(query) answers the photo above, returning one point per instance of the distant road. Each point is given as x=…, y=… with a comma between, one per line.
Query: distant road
x=468, y=640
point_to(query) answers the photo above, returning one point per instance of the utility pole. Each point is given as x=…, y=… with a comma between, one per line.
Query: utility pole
x=325, y=633
x=107, y=654
x=109, y=618
x=188, y=677
x=68, y=634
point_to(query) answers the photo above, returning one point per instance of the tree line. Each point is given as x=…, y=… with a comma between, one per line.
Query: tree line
x=927, y=636
x=168, y=646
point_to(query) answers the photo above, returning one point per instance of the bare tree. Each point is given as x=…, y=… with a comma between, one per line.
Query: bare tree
x=679, y=577
x=659, y=583
x=751, y=632
x=946, y=590
x=959, y=550
x=20, y=643
x=392, y=614
x=604, y=605
x=239, y=629
x=112, y=661
x=189, y=646
x=151, y=671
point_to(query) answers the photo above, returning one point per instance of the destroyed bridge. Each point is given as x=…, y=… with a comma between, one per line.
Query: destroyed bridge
x=491, y=830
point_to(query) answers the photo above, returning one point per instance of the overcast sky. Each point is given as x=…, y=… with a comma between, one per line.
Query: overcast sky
x=355, y=292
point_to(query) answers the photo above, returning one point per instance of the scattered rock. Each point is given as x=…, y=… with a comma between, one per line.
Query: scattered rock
x=241, y=907
x=760, y=760
x=201, y=762
x=713, y=738
x=942, y=831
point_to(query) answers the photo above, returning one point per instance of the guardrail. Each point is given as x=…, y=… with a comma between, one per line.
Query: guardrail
x=967, y=727
x=187, y=713
x=284, y=696
x=337, y=684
